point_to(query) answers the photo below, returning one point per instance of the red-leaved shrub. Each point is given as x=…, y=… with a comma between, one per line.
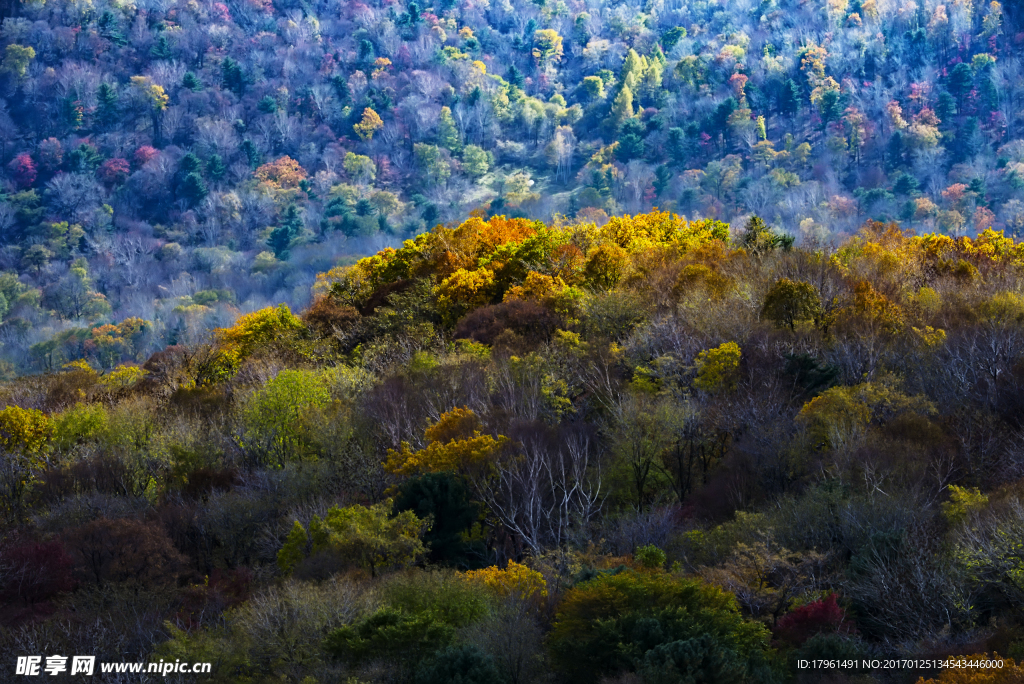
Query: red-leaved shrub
x=36, y=572
x=824, y=616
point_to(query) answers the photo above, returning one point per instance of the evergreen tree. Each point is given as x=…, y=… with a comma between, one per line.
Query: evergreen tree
x=281, y=238
x=515, y=77
x=193, y=188
x=232, y=76
x=789, y=98
x=340, y=84
x=448, y=133
x=677, y=152
x=622, y=107
x=190, y=163
x=215, y=167
x=106, y=104
x=662, y=177
x=631, y=141
x=268, y=105
x=252, y=154
x=829, y=107
x=945, y=107
x=365, y=50
x=961, y=78
x=162, y=48
x=191, y=82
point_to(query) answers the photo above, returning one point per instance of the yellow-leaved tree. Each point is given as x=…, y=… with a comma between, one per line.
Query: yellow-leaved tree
x=455, y=444
x=25, y=440
x=259, y=329
x=368, y=125
x=718, y=369
x=516, y=582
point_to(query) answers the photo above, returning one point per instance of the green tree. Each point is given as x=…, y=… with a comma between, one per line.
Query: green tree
x=384, y=203
x=671, y=38
x=476, y=161
x=360, y=168
x=611, y=623
x=447, y=131
x=191, y=82
x=960, y=82
x=718, y=369
x=282, y=237
x=215, y=167
x=788, y=302
x=789, y=98
x=435, y=167
x=232, y=76
x=294, y=550
x=16, y=60
x=662, y=178
x=702, y=659
x=106, y=104
x=161, y=48
x=622, y=106
x=547, y=46
x=193, y=188
x=445, y=499
x=760, y=239
x=369, y=536
x=268, y=105
x=631, y=141
x=593, y=87
x=275, y=417
x=463, y=664
x=829, y=107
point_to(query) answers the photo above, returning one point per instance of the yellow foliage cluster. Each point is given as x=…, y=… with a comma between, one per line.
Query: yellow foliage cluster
x=156, y=95
x=841, y=413
x=661, y=228
x=515, y=581
x=455, y=445
x=258, y=329
x=718, y=368
x=483, y=261
x=24, y=431
x=462, y=291
x=368, y=125
x=122, y=377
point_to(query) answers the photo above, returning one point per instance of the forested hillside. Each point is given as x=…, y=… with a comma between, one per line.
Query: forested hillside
x=169, y=166
x=652, y=451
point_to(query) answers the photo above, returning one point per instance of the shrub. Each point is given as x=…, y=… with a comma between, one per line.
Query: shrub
x=462, y=664
x=35, y=571
x=818, y=617
x=123, y=550
x=367, y=536
x=609, y=623
x=701, y=659
x=650, y=557
x=529, y=320
x=445, y=499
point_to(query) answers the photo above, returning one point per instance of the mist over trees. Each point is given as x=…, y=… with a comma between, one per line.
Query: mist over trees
x=184, y=163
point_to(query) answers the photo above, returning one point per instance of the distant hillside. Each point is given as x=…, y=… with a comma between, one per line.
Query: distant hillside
x=182, y=163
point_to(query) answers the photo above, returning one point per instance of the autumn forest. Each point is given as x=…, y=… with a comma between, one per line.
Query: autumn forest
x=513, y=341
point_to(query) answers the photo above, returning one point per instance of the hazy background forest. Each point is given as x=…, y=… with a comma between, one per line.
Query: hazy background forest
x=173, y=165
